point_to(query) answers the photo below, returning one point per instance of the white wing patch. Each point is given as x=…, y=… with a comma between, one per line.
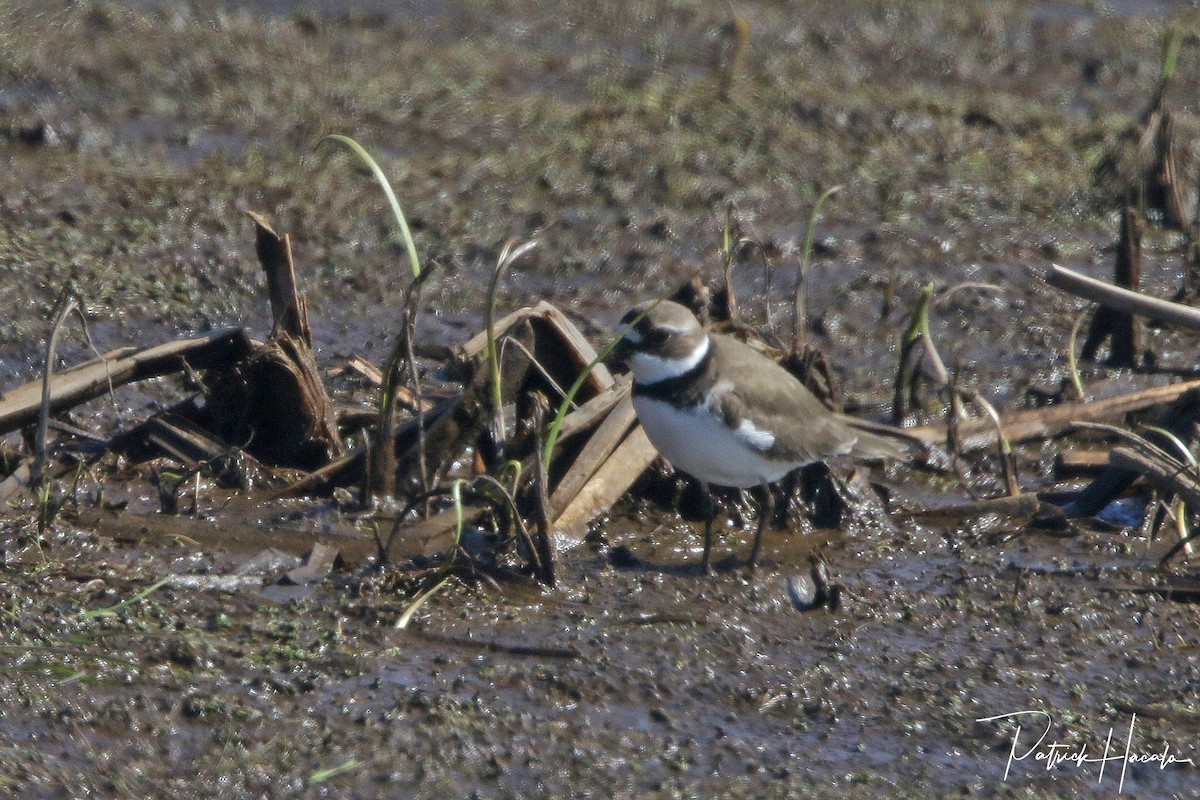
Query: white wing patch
x=754, y=436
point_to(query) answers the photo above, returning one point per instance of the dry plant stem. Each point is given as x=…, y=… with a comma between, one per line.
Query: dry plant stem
x=1140, y=442
x=510, y=253
x=275, y=255
x=800, y=296
x=1164, y=474
x=382, y=467
x=954, y=418
x=411, y=309
x=537, y=365
x=1048, y=422
x=517, y=522
x=1072, y=362
x=1179, y=421
x=1119, y=327
x=68, y=304
x=916, y=348
x=1179, y=547
x=1004, y=449
x=544, y=540
x=1114, y=297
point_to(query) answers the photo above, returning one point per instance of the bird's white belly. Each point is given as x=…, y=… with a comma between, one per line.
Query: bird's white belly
x=700, y=444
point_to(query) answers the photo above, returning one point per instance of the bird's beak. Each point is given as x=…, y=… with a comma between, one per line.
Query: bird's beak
x=621, y=351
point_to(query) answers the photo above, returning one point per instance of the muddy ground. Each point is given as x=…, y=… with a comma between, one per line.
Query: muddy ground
x=966, y=137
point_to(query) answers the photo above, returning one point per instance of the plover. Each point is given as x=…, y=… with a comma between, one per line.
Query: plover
x=727, y=415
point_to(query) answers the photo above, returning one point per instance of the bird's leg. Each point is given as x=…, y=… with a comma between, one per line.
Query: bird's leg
x=710, y=507
x=764, y=513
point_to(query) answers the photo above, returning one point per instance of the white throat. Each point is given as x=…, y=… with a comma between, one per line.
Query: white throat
x=649, y=369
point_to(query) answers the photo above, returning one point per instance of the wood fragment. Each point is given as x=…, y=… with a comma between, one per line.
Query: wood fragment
x=1051, y=421
x=1120, y=327
x=607, y=485
x=316, y=567
x=1072, y=463
x=276, y=407
x=289, y=312
x=365, y=368
x=610, y=433
x=194, y=448
x=373, y=375
x=1164, y=474
x=76, y=385
x=558, y=346
x=1179, y=420
x=1023, y=505
x=1123, y=300
x=587, y=415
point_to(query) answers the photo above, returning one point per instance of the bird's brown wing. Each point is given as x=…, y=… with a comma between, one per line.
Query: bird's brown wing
x=759, y=397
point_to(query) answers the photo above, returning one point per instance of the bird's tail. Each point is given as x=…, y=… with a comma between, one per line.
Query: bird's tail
x=877, y=441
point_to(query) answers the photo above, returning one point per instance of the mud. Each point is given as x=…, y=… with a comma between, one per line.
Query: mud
x=965, y=137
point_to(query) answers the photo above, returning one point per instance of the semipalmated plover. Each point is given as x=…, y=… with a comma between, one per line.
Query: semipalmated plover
x=726, y=414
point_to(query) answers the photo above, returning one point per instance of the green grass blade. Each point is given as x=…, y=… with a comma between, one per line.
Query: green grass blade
x=322, y=775
x=111, y=610
x=416, y=604
x=510, y=253
x=361, y=152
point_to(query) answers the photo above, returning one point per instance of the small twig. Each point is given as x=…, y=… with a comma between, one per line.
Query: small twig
x=1004, y=448
x=508, y=254
x=544, y=539
x=1072, y=361
x=800, y=299
x=727, y=253
x=67, y=304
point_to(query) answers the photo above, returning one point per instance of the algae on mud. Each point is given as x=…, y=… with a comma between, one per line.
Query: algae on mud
x=966, y=134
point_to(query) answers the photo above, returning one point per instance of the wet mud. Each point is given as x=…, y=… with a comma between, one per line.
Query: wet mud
x=966, y=139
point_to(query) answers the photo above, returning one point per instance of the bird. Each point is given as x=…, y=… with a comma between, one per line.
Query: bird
x=726, y=414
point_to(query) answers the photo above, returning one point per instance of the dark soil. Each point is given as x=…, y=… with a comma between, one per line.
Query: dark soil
x=967, y=138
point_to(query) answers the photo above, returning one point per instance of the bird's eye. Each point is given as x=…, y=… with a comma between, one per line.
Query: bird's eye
x=656, y=336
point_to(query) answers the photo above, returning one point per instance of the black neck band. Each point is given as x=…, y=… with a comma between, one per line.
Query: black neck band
x=669, y=389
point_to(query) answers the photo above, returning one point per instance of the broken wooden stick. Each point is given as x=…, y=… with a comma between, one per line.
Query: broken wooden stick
x=1179, y=422
x=288, y=309
x=76, y=385
x=1051, y=421
x=607, y=484
x=1122, y=299
x=1165, y=474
